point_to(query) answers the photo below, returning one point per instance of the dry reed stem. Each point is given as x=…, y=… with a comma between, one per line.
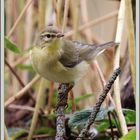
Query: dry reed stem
x=40, y=96
x=75, y=14
x=19, y=18
x=117, y=98
x=22, y=92
x=41, y=16
x=65, y=19
x=94, y=22
x=58, y=13
x=38, y=106
x=131, y=40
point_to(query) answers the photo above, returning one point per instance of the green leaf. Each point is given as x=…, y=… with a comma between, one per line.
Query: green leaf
x=81, y=117
x=45, y=130
x=130, y=116
x=25, y=67
x=130, y=136
x=103, y=125
x=10, y=45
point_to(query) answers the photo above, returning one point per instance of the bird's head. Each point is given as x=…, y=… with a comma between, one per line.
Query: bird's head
x=50, y=34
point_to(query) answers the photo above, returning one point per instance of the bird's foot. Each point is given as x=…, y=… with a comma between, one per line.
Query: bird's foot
x=63, y=91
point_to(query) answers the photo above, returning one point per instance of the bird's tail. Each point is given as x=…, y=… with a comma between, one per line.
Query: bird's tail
x=107, y=45
x=100, y=48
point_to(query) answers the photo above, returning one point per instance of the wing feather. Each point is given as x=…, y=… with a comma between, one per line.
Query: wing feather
x=76, y=52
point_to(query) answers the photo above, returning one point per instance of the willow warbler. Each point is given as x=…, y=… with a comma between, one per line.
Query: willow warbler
x=61, y=60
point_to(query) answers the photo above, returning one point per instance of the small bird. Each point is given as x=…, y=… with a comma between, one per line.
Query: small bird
x=60, y=60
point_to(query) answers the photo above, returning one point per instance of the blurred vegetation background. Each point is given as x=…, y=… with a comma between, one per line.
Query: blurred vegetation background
x=97, y=21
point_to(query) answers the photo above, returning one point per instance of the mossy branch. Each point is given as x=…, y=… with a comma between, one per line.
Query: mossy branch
x=63, y=91
x=85, y=132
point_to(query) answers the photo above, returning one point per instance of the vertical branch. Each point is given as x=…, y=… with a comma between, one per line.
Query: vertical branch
x=131, y=40
x=63, y=91
x=117, y=98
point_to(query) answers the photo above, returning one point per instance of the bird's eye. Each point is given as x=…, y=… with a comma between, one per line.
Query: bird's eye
x=53, y=35
x=48, y=35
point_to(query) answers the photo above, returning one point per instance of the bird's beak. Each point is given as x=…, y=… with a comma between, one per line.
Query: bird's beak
x=60, y=35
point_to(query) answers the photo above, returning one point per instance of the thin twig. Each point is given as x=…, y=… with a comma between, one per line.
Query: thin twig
x=22, y=92
x=19, y=18
x=85, y=132
x=102, y=79
x=21, y=107
x=14, y=73
x=18, y=78
x=117, y=98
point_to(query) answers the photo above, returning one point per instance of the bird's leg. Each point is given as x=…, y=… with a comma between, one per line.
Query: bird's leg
x=63, y=91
